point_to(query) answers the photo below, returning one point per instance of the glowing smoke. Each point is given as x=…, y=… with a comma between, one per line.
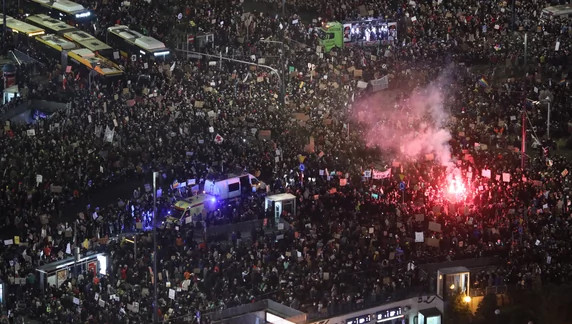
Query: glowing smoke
x=411, y=127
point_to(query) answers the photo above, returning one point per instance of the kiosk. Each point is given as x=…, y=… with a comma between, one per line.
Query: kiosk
x=452, y=281
x=55, y=273
x=279, y=203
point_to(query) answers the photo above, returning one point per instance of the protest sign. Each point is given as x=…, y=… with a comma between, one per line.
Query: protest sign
x=506, y=177
x=435, y=227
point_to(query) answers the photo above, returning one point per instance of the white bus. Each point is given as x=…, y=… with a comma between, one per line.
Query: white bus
x=50, y=24
x=552, y=12
x=17, y=26
x=70, y=12
x=88, y=41
x=130, y=43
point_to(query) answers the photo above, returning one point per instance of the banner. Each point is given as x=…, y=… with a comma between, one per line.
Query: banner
x=380, y=84
x=381, y=174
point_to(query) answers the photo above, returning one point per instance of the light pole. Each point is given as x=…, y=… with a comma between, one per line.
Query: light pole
x=220, y=57
x=155, y=283
x=523, y=147
x=4, y=22
x=548, y=118
x=282, y=65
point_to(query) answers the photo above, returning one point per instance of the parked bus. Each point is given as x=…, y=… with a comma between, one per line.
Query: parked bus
x=50, y=24
x=70, y=12
x=132, y=43
x=91, y=61
x=558, y=11
x=54, y=45
x=93, y=44
x=16, y=26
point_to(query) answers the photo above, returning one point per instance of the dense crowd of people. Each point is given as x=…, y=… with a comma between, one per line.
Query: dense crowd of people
x=352, y=241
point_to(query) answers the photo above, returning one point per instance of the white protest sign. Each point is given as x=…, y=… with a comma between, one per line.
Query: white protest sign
x=506, y=177
x=31, y=132
x=486, y=173
x=39, y=178
x=419, y=237
x=172, y=293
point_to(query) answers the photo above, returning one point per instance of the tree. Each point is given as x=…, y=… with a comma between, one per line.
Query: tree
x=457, y=311
x=486, y=310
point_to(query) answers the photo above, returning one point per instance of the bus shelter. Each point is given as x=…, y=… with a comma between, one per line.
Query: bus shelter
x=279, y=203
x=55, y=273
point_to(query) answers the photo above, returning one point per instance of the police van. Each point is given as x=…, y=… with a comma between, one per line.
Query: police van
x=233, y=186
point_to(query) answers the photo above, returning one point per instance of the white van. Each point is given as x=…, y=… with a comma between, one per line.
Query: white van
x=551, y=12
x=194, y=206
x=233, y=186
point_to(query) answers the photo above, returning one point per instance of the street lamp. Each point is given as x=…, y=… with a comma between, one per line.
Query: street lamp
x=155, y=283
x=4, y=22
x=547, y=99
x=220, y=57
x=282, y=64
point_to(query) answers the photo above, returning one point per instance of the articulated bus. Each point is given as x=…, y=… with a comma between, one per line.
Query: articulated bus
x=70, y=12
x=93, y=44
x=92, y=61
x=19, y=27
x=130, y=43
x=83, y=59
x=54, y=45
x=50, y=24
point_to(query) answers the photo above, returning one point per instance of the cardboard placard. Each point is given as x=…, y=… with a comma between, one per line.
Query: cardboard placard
x=264, y=134
x=429, y=241
x=435, y=227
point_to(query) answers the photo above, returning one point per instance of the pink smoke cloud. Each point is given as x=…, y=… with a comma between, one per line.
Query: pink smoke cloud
x=408, y=127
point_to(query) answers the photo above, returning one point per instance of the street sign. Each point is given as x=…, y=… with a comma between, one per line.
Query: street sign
x=402, y=186
x=302, y=167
